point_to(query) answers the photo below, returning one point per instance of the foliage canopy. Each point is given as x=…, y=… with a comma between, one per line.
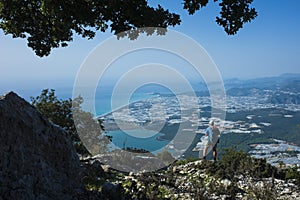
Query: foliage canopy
x=49, y=24
x=60, y=112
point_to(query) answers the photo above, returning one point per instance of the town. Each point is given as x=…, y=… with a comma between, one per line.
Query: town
x=162, y=109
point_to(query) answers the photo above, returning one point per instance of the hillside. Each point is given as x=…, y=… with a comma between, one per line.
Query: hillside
x=288, y=82
x=236, y=176
x=282, y=89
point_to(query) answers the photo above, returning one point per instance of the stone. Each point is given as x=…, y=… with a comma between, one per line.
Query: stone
x=38, y=160
x=112, y=191
x=226, y=182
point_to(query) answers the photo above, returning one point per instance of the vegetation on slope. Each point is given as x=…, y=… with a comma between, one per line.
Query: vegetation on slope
x=236, y=175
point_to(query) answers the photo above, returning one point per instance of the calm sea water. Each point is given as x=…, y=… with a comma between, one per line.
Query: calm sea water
x=137, y=139
x=140, y=139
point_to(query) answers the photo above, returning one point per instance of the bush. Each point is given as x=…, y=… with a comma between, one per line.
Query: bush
x=293, y=173
x=60, y=112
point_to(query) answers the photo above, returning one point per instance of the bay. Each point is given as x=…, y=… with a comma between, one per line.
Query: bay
x=136, y=139
x=139, y=139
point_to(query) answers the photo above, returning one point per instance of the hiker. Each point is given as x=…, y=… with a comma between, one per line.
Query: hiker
x=213, y=133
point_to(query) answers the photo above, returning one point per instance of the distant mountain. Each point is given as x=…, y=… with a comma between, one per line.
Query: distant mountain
x=284, y=89
x=248, y=91
x=271, y=83
x=287, y=82
x=292, y=85
x=284, y=98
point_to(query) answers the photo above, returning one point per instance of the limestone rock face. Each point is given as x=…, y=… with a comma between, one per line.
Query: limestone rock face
x=37, y=158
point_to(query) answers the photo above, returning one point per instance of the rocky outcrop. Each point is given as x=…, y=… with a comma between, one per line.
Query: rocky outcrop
x=193, y=181
x=37, y=158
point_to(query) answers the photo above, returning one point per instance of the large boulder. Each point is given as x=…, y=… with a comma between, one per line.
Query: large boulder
x=37, y=158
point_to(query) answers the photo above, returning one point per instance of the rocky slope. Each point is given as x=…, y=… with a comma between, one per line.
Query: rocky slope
x=240, y=177
x=37, y=158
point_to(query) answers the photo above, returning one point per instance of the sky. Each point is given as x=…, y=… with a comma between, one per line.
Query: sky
x=268, y=46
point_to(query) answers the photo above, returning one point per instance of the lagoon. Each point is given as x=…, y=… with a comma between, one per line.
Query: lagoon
x=140, y=139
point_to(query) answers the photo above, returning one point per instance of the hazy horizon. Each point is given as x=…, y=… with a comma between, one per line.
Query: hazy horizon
x=64, y=89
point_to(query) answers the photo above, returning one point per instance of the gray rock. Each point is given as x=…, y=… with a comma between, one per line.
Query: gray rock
x=38, y=160
x=112, y=191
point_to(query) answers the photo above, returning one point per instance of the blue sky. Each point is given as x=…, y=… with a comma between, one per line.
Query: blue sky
x=269, y=46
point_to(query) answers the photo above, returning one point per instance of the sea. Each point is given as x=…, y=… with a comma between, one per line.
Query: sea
x=136, y=139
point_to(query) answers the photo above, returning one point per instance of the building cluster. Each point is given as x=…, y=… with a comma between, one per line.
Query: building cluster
x=279, y=153
x=184, y=108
